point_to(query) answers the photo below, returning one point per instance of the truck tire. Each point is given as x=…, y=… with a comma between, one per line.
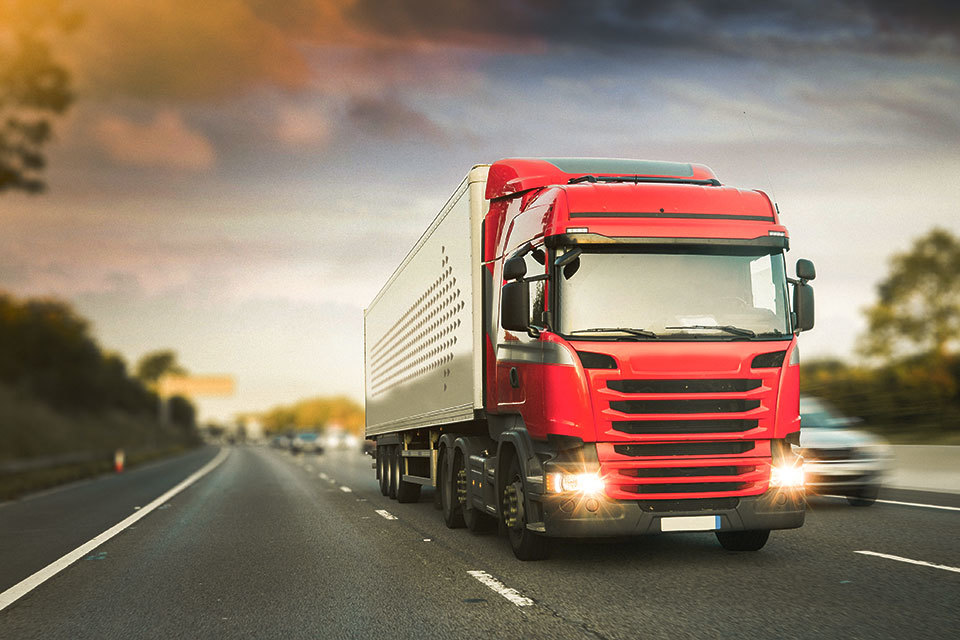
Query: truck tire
x=526, y=544
x=476, y=520
x=864, y=496
x=382, y=471
x=452, y=511
x=751, y=540
x=393, y=469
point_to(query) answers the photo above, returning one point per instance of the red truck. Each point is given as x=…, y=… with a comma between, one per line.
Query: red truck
x=591, y=347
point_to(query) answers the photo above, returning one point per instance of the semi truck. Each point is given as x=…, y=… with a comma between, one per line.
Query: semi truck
x=593, y=347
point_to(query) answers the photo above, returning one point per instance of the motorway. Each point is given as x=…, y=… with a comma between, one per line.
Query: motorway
x=270, y=545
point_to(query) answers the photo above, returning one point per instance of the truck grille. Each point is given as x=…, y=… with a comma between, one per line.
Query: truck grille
x=683, y=406
x=688, y=487
x=683, y=472
x=684, y=426
x=685, y=448
x=683, y=386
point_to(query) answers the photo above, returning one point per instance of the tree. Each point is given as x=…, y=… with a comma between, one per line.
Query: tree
x=156, y=364
x=918, y=310
x=33, y=87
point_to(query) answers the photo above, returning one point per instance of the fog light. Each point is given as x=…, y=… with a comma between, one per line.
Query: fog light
x=586, y=483
x=786, y=476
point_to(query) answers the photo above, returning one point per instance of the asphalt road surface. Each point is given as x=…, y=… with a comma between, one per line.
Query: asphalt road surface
x=270, y=545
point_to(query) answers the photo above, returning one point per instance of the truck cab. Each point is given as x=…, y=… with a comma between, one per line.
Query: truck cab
x=640, y=360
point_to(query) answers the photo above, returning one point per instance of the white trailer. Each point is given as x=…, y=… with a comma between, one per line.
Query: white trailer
x=423, y=332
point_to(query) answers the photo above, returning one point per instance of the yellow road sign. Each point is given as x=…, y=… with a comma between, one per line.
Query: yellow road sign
x=195, y=385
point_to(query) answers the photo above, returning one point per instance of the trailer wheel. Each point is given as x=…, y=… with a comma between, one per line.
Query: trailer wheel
x=393, y=469
x=752, y=540
x=452, y=511
x=526, y=544
x=382, y=472
x=476, y=520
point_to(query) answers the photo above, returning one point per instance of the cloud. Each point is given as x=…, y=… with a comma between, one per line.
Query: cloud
x=181, y=49
x=389, y=117
x=661, y=27
x=166, y=142
x=303, y=126
x=186, y=50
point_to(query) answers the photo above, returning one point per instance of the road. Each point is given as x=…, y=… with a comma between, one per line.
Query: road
x=269, y=545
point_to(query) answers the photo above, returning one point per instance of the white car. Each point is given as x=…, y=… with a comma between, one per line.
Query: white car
x=838, y=459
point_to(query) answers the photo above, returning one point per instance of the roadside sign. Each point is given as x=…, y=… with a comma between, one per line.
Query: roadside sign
x=195, y=386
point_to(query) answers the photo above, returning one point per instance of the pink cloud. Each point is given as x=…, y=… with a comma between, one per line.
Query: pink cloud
x=167, y=141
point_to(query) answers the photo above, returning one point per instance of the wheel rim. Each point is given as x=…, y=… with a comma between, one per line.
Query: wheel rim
x=513, y=516
x=461, y=485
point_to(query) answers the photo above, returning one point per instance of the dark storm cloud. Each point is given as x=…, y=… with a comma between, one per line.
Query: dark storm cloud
x=734, y=27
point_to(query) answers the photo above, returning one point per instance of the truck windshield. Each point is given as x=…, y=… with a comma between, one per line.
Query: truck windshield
x=676, y=295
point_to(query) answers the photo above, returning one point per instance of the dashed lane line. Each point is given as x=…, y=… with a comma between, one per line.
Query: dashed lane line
x=27, y=585
x=509, y=593
x=910, y=561
x=346, y=489
x=385, y=514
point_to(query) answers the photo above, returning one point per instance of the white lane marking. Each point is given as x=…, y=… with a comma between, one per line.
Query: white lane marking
x=27, y=585
x=510, y=594
x=919, y=562
x=346, y=489
x=322, y=475
x=386, y=514
x=907, y=504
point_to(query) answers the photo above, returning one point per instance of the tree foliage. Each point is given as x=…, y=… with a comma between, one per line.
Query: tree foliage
x=47, y=352
x=918, y=306
x=156, y=364
x=315, y=414
x=34, y=86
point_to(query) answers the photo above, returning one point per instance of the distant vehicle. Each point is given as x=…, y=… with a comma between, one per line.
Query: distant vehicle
x=306, y=443
x=337, y=438
x=280, y=442
x=838, y=459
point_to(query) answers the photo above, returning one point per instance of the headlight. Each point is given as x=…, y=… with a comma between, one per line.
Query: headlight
x=786, y=476
x=585, y=483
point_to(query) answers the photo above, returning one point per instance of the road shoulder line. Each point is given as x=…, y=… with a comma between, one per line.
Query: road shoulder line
x=922, y=563
x=30, y=583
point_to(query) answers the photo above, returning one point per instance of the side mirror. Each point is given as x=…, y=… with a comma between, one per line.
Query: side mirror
x=514, y=268
x=515, y=305
x=806, y=270
x=803, y=304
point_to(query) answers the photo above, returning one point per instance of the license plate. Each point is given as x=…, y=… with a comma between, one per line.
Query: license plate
x=690, y=523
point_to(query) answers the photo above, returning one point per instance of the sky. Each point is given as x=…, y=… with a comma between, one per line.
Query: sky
x=238, y=178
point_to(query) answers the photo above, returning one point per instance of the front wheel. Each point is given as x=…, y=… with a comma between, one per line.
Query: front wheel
x=743, y=540
x=864, y=496
x=526, y=544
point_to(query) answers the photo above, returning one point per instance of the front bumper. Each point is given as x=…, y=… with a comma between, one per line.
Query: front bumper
x=566, y=516
x=820, y=475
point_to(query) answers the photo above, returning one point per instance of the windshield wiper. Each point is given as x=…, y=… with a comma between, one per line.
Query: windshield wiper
x=729, y=328
x=643, y=333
